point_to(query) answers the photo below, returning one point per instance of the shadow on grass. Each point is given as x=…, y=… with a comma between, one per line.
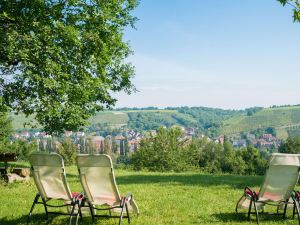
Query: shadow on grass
x=40, y=219
x=231, y=217
x=242, y=218
x=35, y=219
x=192, y=179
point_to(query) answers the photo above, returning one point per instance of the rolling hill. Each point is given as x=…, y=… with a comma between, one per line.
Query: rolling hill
x=141, y=119
x=286, y=120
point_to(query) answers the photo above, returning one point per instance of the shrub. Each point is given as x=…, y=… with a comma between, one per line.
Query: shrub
x=291, y=145
x=168, y=151
x=68, y=151
x=164, y=152
x=22, y=148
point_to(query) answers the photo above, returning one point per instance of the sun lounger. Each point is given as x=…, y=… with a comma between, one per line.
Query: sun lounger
x=277, y=188
x=50, y=179
x=99, y=185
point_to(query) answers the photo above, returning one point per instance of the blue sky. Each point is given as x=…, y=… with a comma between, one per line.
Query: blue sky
x=224, y=53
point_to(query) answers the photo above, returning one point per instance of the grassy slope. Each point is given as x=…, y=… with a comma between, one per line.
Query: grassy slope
x=113, y=118
x=271, y=117
x=19, y=120
x=163, y=198
x=146, y=119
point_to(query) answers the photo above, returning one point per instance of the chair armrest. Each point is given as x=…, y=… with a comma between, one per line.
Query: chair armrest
x=127, y=198
x=78, y=196
x=296, y=195
x=252, y=194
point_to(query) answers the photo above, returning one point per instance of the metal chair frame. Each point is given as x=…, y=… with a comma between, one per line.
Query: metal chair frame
x=254, y=200
x=76, y=200
x=123, y=206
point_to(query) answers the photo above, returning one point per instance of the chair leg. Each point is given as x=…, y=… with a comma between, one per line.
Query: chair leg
x=45, y=207
x=298, y=213
x=80, y=212
x=32, y=207
x=72, y=211
x=91, y=210
x=256, y=213
x=296, y=206
x=284, y=211
x=249, y=211
x=79, y=215
x=237, y=204
x=127, y=211
x=121, y=214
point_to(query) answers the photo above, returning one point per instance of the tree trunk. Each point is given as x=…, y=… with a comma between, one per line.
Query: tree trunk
x=23, y=172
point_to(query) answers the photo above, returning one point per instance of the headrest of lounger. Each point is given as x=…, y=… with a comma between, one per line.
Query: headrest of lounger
x=280, y=159
x=94, y=161
x=43, y=159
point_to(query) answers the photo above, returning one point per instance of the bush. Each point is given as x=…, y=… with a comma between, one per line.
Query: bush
x=169, y=151
x=124, y=159
x=291, y=145
x=164, y=152
x=254, y=163
x=68, y=151
x=232, y=161
x=22, y=148
x=210, y=158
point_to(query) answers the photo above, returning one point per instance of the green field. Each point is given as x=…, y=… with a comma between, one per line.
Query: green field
x=112, y=118
x=270, y=117
x=163, y=198
x=118, y=118
x=18, y=121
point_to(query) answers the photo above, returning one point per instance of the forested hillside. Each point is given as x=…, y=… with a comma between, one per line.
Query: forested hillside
x=202, y=118
x=210, y=121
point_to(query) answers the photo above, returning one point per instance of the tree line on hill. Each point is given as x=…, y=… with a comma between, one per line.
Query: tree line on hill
x=206, y=120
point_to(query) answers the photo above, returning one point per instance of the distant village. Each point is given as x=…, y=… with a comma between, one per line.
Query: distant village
x=128, y=141
x=264, y=141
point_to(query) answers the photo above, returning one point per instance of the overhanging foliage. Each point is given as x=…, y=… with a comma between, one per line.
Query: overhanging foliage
x=62, y=59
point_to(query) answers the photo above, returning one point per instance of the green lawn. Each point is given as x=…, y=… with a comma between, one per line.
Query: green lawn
x=163, y=198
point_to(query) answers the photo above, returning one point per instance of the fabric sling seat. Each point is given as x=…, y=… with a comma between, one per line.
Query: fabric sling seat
x=50, y=179
x=277, y=189
x=100, y=188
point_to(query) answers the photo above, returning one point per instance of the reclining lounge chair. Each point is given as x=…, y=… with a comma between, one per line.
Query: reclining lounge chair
x=277, y=188
x=99, y=185
x=50, y=180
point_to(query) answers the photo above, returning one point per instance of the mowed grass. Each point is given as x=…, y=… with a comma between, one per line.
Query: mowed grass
x=163, y=198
